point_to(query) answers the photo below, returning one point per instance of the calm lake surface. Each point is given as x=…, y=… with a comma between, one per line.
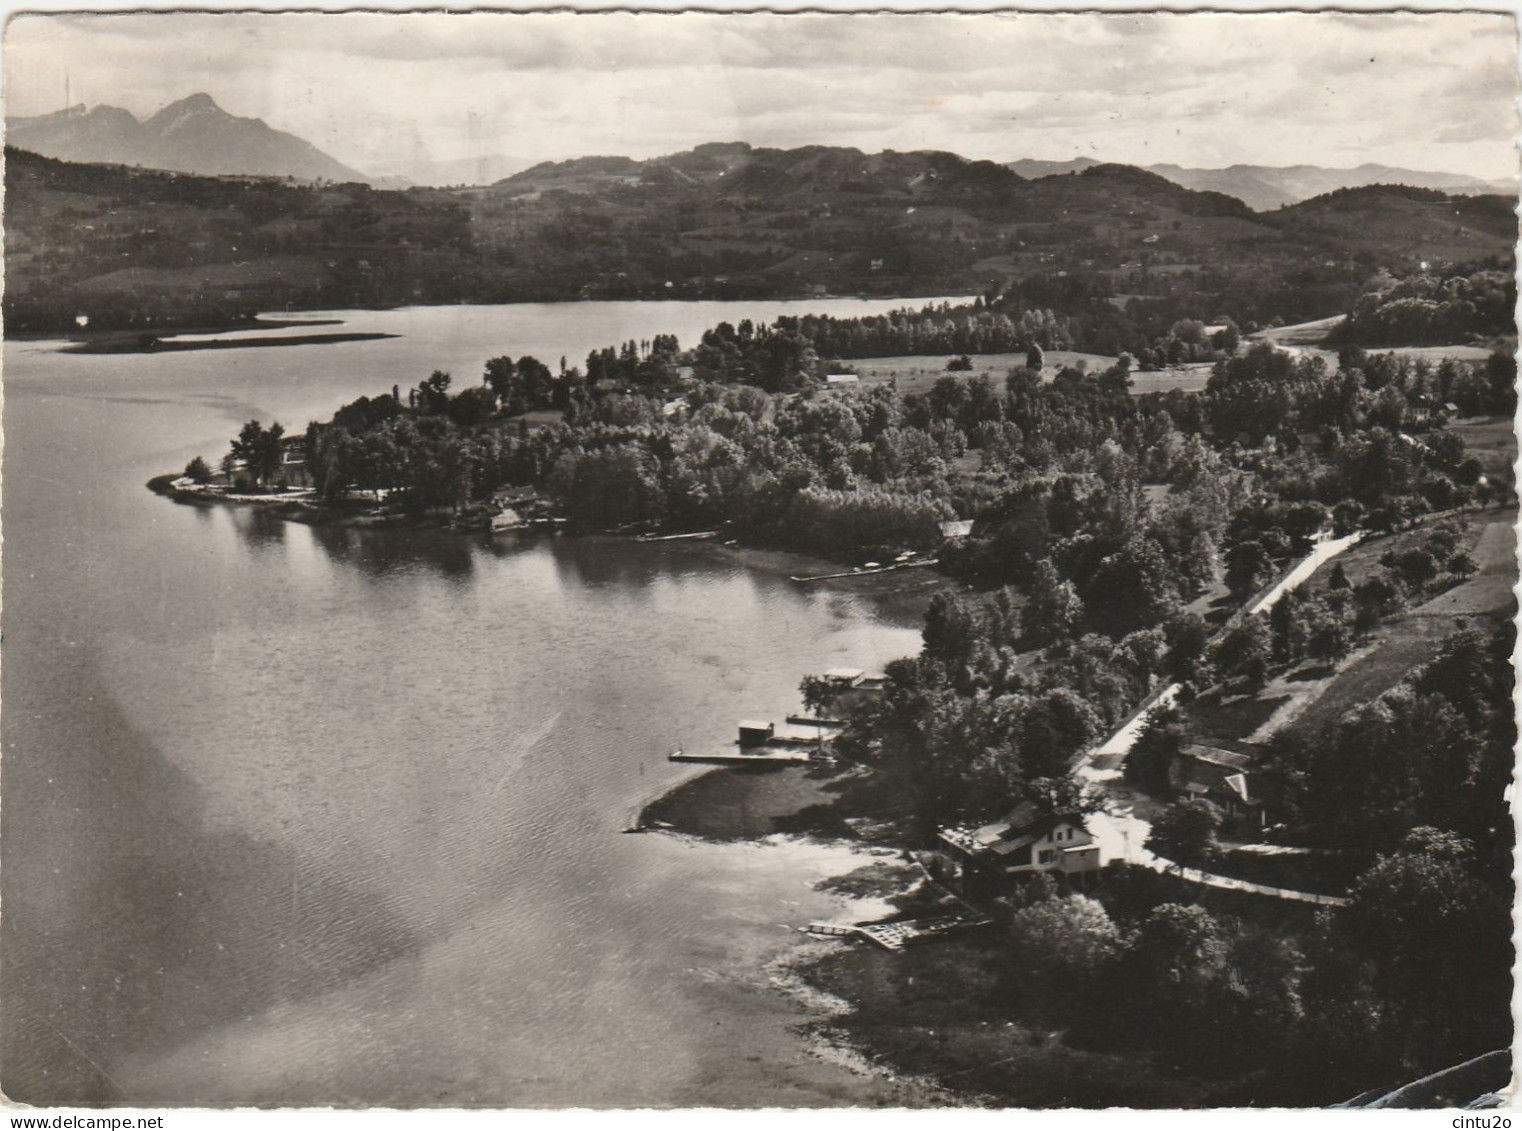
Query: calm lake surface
x=326, y=816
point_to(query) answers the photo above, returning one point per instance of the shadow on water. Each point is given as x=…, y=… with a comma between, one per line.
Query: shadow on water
x=598, y=563
x=130, y=927
x=381, y=553
x=259, y=529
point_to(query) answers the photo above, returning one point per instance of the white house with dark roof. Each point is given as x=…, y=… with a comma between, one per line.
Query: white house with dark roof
x=1025, y=841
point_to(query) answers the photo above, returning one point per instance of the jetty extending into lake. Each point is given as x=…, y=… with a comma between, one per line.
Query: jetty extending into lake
x=749, y=756
x=866, y=572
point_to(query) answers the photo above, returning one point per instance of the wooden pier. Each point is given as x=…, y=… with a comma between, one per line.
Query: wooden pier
x=834, y=930
x=865, y=572
x=697, y=534
x=896, y=936
x=750, y=756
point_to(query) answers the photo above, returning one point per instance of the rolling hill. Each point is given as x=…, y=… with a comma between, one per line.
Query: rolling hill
x=1266, y=187
x=134, y=247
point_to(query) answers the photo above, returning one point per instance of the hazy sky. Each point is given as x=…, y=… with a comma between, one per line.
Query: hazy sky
x=382, y=92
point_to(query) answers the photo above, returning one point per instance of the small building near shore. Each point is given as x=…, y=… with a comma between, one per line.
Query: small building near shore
x=506, y=519
x=1026, y=841
x=756, y=733
x=844, y=678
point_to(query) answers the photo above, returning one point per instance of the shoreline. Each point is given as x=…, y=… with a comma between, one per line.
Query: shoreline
x=145, y=344
x=728, y=804
x=758, y=804
x=256, y=320
x=77, y=336
x=900, y=596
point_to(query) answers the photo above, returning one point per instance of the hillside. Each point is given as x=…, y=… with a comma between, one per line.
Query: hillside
x=193, y=135
x=139, y=248
x=1410, y=223
x=134, y=247
x=1266, y=187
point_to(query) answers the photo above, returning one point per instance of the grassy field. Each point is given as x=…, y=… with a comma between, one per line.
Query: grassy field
x=1401, y=645
x=1490, y=439
x=1309, y=697
x=1308, y=338
x=1234, y=717
x=917, y=374
x=1188, y=378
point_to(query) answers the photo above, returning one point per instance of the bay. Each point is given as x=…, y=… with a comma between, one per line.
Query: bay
x=327, y=816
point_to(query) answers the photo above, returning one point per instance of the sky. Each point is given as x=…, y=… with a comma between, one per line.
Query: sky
x=389, y=93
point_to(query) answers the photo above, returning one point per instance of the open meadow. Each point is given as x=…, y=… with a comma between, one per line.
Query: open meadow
x=917, y=374
x=1312, y=696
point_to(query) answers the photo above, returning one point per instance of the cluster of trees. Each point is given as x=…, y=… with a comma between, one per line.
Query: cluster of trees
x=1068, y=509
x=648, y=364
x=1435, y=750
x=971, y=724
x=1411, y=976
x=1129, y=972
x=942, y=329
x=1152, y=313
x=1189, y=340
x=255, y=457
x=1425, y=309
x=1052, y=472
x=786, y=354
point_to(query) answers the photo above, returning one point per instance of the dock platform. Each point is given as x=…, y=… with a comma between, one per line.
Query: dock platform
x=896, y=936
x=750, y=756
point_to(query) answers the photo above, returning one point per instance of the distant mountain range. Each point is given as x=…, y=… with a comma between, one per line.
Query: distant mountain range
x=193, y=135
x=721, y=220
x=1266, y=187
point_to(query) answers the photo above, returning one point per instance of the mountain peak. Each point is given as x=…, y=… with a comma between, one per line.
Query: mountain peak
x=191, y=135
x=198, y=103
x=194, y=107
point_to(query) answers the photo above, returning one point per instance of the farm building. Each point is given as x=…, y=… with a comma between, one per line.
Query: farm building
x=842, y=380
x=1222, y=777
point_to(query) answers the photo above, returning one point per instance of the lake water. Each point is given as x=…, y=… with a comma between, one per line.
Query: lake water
x=327, y=816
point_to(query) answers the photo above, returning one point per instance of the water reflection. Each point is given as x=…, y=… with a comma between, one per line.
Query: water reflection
x=383, y=553
x=602, y=563
x=258, y=527
x=326, y=813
